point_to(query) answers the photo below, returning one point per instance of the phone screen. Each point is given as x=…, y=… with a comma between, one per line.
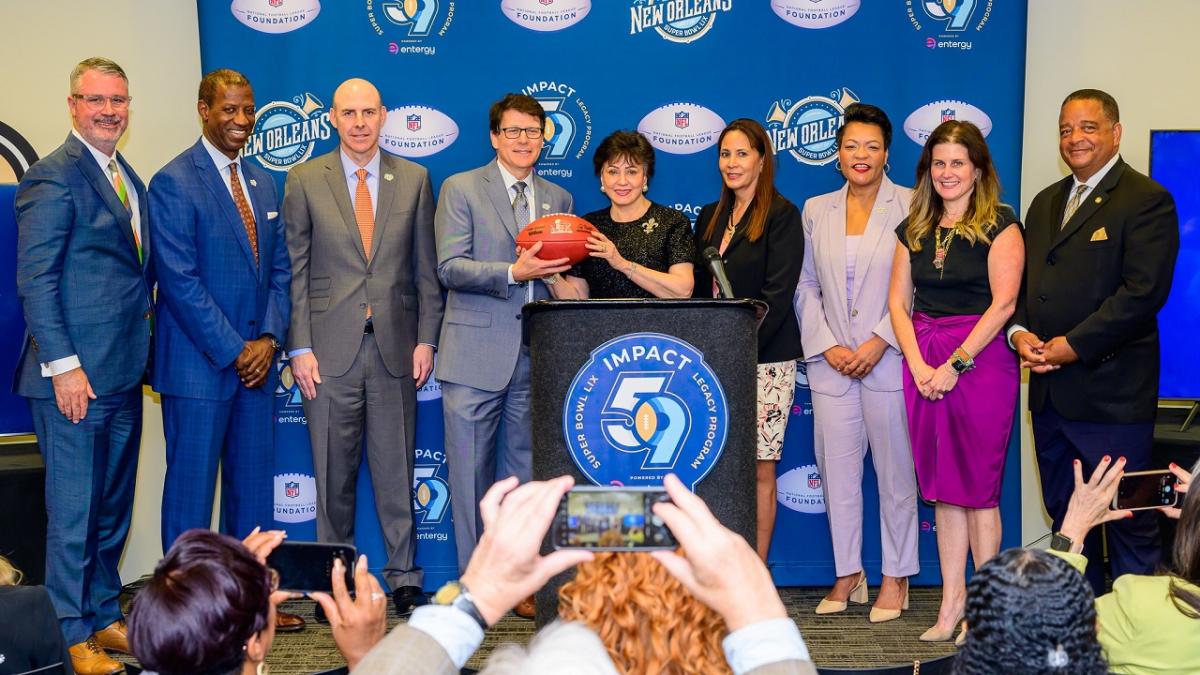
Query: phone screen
x=307, y=566
x=1146, y=490
x=612, y=519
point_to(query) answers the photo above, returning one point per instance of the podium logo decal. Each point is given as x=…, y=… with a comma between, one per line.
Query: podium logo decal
x=644, y=405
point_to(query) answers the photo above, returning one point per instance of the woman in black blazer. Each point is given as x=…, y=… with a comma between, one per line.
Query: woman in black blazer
x=760, y=236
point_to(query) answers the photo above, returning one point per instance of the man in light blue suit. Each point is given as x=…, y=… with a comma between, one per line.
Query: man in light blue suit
x=81, y=214
x=483, y=368
x=223, y=310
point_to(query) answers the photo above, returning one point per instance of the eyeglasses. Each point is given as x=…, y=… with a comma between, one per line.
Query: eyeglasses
x=97, y=102
x=532, y=133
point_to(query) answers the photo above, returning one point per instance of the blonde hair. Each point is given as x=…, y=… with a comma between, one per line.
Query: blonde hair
x=9, y=575
x=980, y=221
x=646, y=619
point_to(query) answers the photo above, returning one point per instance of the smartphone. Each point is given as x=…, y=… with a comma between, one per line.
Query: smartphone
x=612, y=519
x=307, y=566
x=1146, y=490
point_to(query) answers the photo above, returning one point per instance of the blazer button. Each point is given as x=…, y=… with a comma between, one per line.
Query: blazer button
x=517, y=317
x=1050, y=260
x=1041, y=298
x=147, y=314
x=854, y=312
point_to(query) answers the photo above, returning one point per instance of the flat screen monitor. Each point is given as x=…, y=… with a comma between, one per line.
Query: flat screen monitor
x=1175, y=163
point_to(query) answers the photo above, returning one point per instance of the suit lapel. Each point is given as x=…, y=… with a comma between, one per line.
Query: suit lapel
x=336, y=178
x=383, y=201
x=210, y=176
x=498, y=194
x=1095, y=199
x=103, y=187
x=834, y=236
x=877, y=227
x=258, y=202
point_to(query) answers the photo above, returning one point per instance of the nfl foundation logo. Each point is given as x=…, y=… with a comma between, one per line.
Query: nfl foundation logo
x=414, y=122
x=814, y=481
x=291, y=489
x=645, y=405
x=682, y=119
x=947, y=114
x=800, y=490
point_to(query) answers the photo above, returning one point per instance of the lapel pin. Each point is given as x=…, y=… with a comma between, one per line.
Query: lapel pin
x=388, y=176
x=1098, y=200
x=545, y=208
x=253, y=183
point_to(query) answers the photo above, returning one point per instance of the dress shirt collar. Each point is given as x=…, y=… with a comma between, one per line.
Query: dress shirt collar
x=101, y=158
x=1092, y=182
x=349, y=166
x=220, y=159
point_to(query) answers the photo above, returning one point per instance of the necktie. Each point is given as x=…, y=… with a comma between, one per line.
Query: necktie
x=1073, y=205
x=114, y=175
x=521, y=215
x=243, y=207
x=364, y=216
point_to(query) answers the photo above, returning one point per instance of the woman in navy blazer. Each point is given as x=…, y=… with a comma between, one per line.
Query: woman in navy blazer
x=758, y=234
x=854, y=363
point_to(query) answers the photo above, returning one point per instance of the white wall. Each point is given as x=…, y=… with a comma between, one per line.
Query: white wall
x=1146, y=57
x=157, y=44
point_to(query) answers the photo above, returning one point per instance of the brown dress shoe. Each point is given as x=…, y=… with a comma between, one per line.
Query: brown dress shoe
x=288, y=623
x=113, y=638
x=526, y=609
x=89, y=659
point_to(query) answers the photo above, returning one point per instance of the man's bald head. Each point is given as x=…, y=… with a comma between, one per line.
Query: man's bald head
x=358, y=115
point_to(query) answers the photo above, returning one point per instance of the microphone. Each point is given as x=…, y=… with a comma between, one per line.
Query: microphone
x=717, y=266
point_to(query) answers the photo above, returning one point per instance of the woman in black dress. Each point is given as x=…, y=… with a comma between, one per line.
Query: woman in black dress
x=641, y=249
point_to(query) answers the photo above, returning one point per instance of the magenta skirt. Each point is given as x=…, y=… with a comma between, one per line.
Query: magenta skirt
x=959, y=443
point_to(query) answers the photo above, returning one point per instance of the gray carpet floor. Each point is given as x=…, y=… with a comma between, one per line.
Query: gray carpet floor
x=838, y=640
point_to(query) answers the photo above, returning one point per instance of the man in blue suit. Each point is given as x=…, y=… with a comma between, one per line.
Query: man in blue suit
x=223, y=309
x=81, y=214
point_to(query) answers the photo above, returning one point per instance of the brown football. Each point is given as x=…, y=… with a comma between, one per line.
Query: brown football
x=563, y=235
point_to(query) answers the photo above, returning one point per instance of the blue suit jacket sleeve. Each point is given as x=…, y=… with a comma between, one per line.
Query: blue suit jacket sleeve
x=173, y=224
x=45, y=213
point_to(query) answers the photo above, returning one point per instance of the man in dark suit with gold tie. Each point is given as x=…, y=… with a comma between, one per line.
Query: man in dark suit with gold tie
x=1100, y=253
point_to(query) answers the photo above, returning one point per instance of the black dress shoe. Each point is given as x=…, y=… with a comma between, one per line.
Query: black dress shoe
x=408, y=598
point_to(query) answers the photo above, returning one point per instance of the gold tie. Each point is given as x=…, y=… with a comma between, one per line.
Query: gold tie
x=243, y=207
x=364, y=216
x=1073, y=205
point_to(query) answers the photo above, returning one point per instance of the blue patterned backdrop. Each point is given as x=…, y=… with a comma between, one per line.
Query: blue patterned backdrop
x=677, y=70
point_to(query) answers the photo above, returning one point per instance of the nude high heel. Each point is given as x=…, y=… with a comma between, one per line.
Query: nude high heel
x=880, y=615
x=935, y=635
x=858, y=594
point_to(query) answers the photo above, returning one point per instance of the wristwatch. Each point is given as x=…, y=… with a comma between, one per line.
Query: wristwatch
x=454, y=594
x=961, y=362
x=274, y=342
x=552, y=279
x=1061, y=542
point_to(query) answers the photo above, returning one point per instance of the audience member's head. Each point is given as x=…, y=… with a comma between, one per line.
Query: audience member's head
x=1029, y=612
x=9, y=574
x=1186, y=567
x=646, y=619
x=207, y=609
x=566, y=648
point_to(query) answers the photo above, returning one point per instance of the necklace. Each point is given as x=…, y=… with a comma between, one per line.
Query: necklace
x=941, y=248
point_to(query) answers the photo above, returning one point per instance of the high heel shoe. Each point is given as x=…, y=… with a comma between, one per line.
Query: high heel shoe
x=936, y=635
x=879, y=615
x=858, y=594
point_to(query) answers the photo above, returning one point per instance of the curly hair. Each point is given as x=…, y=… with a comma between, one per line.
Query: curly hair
x=1029, y=612
x=646, y=619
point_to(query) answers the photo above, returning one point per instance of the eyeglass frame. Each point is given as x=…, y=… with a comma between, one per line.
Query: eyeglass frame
x=513, y=133
x=95, y=102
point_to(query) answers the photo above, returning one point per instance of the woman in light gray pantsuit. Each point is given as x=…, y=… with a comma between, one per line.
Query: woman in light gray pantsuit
x=854, y=363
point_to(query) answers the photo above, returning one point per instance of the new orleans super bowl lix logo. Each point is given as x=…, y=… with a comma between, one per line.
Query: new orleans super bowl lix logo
x=286, y=131
x=807, y=129
x=676, y=21
x=568, y=125
x=644, y=405
x=411, y=23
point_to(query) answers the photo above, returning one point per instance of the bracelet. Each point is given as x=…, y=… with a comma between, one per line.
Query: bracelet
x=632, y=268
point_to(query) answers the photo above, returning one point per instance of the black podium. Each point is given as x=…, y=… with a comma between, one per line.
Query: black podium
x=625, y=391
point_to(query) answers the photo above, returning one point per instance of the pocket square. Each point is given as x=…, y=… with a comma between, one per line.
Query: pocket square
x=1100, y=235
x=253, y=183
x=271, y=214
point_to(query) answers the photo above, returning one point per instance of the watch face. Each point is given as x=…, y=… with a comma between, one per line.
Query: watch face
x=446, y=594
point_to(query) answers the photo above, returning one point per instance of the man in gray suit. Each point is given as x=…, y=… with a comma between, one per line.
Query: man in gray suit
x=366, y=312
x=484, y=369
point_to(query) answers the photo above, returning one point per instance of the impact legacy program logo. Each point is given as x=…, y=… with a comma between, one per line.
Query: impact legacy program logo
x=411, y=25
x=922, y=121
x=275, y=16
x=644, y=405
x=800, y=490
x=286, y=131
x=417, y=131
x=17, y=153
x=568, y=126
x=295, y=498
x=546, y=15
x=681, y=21
x=289, y=402
x=815, y=14
x=681, y=128
x=431, y=494
x=948, y=23
x=807, y=129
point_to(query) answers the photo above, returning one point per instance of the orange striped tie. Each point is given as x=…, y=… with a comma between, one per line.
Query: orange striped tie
x=364, y=215
x=244, y=210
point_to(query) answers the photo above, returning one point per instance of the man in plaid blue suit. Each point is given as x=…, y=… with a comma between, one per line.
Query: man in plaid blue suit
x=222, y=310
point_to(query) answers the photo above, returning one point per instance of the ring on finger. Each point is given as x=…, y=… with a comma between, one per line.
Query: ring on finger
x=376, y=596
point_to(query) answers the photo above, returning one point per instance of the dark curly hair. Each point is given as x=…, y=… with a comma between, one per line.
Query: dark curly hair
x=1029, y=612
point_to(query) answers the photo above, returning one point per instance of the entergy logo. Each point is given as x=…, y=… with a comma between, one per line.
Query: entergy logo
x=675, y=21
x=681, y=128
x=410, y=23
